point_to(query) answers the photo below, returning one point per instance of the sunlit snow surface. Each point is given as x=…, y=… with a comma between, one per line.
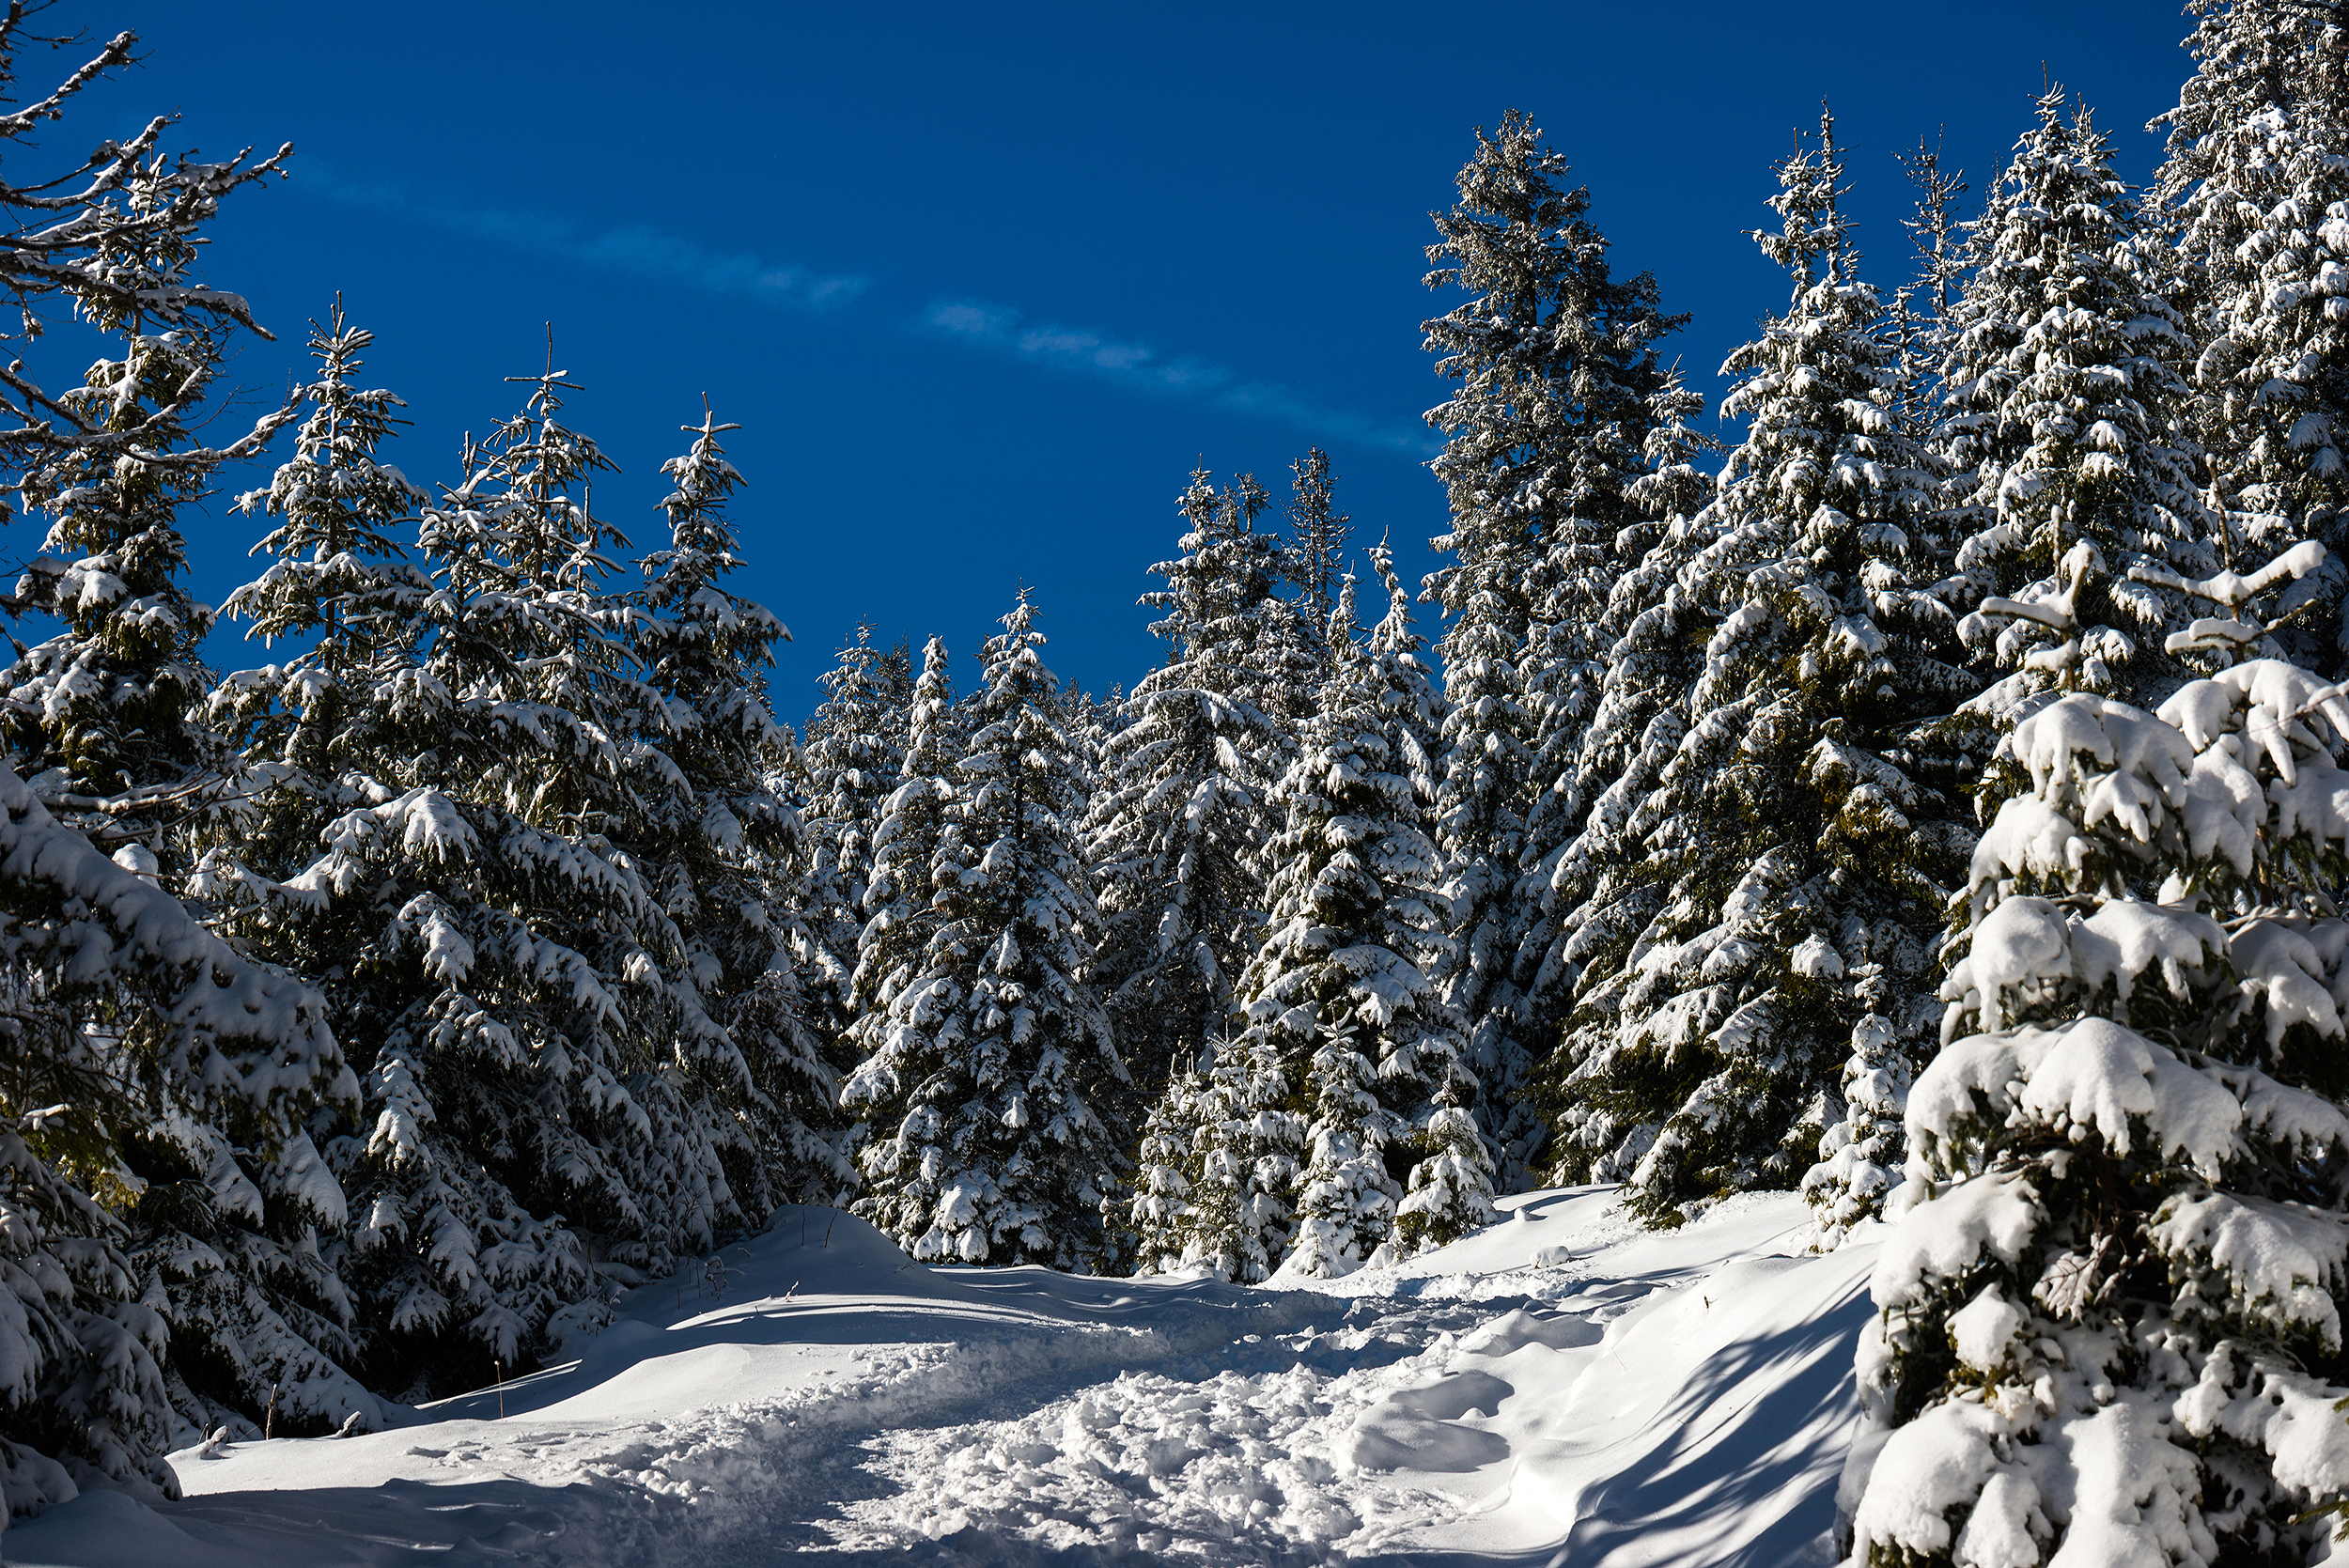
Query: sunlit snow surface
x=1676, y=1398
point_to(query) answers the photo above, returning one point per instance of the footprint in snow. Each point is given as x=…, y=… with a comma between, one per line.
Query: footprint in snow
x=1419, y=1429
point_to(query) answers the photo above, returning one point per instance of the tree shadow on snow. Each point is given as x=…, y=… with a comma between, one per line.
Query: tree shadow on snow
x=1744, y=1439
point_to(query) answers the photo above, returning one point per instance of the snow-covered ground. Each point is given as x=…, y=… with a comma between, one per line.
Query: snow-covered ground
x=1561, y=1387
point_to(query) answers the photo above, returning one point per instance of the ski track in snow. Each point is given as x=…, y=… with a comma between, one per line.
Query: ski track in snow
x=1681, y=1397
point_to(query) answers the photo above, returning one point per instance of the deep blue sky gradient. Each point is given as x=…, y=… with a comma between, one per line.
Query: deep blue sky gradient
x=983, y=286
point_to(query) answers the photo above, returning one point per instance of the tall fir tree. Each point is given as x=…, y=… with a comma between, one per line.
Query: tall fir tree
x=1318, y=541
x=852, y=761
x=987, y=1145
x=132, y=1035
x=1556, y=366
x=1657, y=628
x=1176, y=830
x=494, y=939
x=2073, y=474
x=1799, y=854
x=105, y=719
x=901, y=904
x=2253, y=207
x=750, y=1069
x=1339, y=998
x=237, y=1244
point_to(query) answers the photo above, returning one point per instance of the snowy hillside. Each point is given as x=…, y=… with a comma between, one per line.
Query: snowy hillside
x=1680, y=1397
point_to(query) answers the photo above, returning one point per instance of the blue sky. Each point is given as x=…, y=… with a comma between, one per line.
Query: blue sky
x=983, y=286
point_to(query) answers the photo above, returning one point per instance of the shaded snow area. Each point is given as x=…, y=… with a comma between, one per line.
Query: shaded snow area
x=1560, y=1387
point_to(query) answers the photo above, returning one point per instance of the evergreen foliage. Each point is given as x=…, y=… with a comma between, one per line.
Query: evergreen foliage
x=902, y=914
x=123, y=1015
x=489, y=917
x=2110, y=1315
x=104, y=718
x=1175, y=834
x=232, y=1242
x=2074, y=475
x=852, y=761
x=1318, y=539
x=1797, y=852
x=1545, y=435
x=720, y=853
x=2252, y=205
x=1339, y=994
x=986, y=1146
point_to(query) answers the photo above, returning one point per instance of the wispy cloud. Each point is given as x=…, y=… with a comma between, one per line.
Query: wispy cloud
x=642, y=252
x=998, y=328
x=633, y=250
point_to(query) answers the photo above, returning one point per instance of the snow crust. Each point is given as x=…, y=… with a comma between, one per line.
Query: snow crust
x=1682, y=1396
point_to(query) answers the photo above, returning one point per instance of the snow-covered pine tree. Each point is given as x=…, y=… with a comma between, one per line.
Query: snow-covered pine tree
x=2071, y=467
x=1654, y=632
x=853, y=760
x=2252, y=205
x=1338, y=999
x=493, y=944
x=2109, y=1324
x=120, y=1011
x=1318, y=535
x=1797, y=852
x=1174, y=833
x=1220, y=1153
x=232, y=1240
x=1556, y=366
x=986, y=1146
x=901, y=912
x=755, y=1076
x=1919, y=315
x=1860, y=1156
x=337, y=583
x=104, y=718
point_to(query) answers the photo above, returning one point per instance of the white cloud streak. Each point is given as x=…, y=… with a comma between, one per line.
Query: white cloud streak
x=633, y=251
x=998, y=328
x=641, y=252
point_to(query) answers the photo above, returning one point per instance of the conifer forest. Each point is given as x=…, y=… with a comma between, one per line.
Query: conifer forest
x=1917, y=784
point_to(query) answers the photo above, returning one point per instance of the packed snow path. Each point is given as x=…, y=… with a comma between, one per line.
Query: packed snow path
x=1558, y=1388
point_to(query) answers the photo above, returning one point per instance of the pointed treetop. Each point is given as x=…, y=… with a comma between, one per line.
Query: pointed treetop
x=1813, y=240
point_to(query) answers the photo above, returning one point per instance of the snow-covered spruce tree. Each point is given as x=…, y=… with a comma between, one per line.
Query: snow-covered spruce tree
x=337, y=583
x=1860, y=1156
x=120, y=1011
x=1218, y=1166
x=1556, y=362
x=2110, y=1324
x=2253, y=205
x=853, y=759
x=986, y=1145
x=1338, y=999
x=1800, y=857
x=1317, y=536
x=2062, y=427
x=750, y=1064
x=493, y=941
x=1174, y=833
x=1447, y=1188
x=230, y=1239
x=1655, y=631
x=103, y=719
x=1919, y=315
x=901, y=912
